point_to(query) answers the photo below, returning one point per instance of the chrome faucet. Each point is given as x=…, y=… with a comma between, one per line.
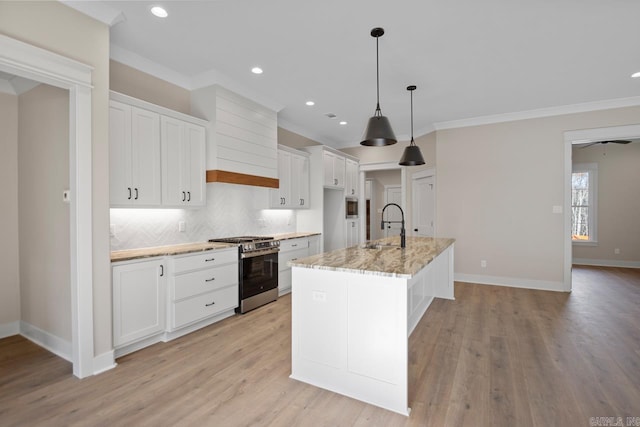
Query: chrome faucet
x=403, y=239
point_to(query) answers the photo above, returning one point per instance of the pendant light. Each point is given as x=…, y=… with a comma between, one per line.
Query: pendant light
x=378, y=132
x=412, y=155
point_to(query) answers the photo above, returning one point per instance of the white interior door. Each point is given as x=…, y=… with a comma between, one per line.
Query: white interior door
x=424, y=203
x=392, y=194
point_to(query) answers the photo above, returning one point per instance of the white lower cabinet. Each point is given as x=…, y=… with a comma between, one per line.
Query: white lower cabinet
x=158, y=299
x=290, y=250
x=139, y=290
x=353, y=232
x=202, y=286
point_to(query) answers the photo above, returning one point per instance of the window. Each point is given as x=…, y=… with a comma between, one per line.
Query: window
x=584, y=181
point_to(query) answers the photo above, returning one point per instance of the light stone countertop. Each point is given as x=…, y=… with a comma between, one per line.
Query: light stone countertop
x=183, y=248
x=295, y=235
x=388, y=260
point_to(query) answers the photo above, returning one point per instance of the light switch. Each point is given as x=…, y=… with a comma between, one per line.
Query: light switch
x=319, y=296
x=557, y=209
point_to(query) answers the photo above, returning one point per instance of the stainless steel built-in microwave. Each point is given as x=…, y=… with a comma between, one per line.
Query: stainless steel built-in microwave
x=351, y=207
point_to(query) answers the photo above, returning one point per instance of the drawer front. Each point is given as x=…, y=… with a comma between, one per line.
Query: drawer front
x=293, y=244
x=201, y=281
x=204, y=260
x=205, y=305
x=284, y=258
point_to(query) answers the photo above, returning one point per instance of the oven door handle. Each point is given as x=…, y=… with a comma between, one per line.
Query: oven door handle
x=259, y=253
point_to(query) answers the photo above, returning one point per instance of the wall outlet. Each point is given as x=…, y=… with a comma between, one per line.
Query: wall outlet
x=483, y=263
x=182, y=226
x=112, y=230
x=556, y=209
x=616, y=251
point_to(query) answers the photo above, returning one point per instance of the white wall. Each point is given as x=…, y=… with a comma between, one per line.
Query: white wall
x=232, y=210
x=43, y=175
x=9, y=266
x=618, y=203
x=496, y=185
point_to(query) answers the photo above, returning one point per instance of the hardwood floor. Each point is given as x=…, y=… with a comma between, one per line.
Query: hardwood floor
x=493, y=357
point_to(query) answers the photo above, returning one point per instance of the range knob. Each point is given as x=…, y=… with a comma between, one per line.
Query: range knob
x=247, y=247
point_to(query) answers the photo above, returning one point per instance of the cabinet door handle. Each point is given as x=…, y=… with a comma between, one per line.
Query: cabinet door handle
x=353, y=191
x=184, y=196
x=210, y=280
x=335, y=181
x=294, y=259
x=293, y=246
x=161, y=270
x=189, y=196
x=210, y=304
x=415, y=229
x=301, y=202
x=209, y=260
x=136, y=193
x=129, y=198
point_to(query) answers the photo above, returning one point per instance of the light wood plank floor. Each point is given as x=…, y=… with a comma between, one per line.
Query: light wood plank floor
x=494, y=357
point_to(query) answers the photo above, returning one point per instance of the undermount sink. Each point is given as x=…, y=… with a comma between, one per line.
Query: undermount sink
x=379, y=246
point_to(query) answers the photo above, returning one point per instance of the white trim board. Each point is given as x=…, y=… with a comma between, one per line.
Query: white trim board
x=24, y=60
x=46, y=340
x=104, y=362
x=511, y=282
x=606, y=263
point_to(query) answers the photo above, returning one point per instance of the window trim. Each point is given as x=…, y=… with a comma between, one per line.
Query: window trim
x=592, y=169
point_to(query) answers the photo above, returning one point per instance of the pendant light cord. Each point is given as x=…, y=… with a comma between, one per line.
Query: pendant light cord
x=378, y=111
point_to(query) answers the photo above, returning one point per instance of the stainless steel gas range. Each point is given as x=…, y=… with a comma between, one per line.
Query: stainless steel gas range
x=258, y=272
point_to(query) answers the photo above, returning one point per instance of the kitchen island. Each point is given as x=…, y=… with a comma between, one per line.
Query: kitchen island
x=353, y=310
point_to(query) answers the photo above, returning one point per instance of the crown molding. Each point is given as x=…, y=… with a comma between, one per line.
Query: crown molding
x=141, y=63
x=541, y=112
x=97, y=10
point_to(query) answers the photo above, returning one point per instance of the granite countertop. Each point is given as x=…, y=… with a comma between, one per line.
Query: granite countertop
x=183, y=248
x=388, y=259
x=296, y=235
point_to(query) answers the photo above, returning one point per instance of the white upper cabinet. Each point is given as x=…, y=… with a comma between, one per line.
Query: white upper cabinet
x=334, y=170
x=134, y=151
x=156, y=155
x=183, y=163
x=293, y=176
x=351, y=187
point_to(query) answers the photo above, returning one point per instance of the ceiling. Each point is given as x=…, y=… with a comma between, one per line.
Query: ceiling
x=469, y=59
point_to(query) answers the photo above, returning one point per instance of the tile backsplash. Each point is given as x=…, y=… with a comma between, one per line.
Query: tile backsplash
x=232, y=210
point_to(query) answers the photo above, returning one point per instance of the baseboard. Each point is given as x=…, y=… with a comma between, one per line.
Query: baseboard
x=606, y=263
x=9, y=329
x=512, y=282
x=44, y=339
x=104, y=362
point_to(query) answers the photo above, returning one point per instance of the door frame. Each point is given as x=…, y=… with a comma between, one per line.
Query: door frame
x=370, y=167
x=426, y=173
x=31, y=62
x=581, y=137
x=388, y=187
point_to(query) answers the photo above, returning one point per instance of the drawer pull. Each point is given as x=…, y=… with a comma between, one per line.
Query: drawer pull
x=293, y=246
x=210, y=304
x=210, y=280
x=210, y=259
x=294, y=259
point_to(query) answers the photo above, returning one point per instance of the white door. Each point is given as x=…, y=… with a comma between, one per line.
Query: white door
x=424, y=203
x=393, y=194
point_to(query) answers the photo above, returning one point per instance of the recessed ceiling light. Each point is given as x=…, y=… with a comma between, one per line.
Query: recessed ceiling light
x=256, y=70
x=160, y=12
x=310, y=103
x=635, y=75
x=343, y=123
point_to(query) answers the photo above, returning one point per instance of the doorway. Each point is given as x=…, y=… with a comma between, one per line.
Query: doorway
x=423, y=201
x=392, y=194
x=33, y=63
x=580, y=137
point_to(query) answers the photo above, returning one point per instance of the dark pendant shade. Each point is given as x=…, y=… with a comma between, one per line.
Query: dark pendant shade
x=378, y=132
x=412, y=156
